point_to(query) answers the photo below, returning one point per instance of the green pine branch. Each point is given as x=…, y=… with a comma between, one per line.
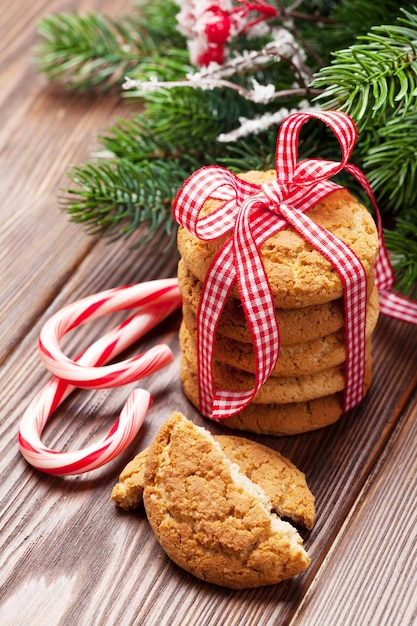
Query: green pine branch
x=391, y=163
x=375, y=81
x=402, y=242
x=92, y=51
x=118, y=199
x=376, y=76
x=129, y=191
x=347, y=21
x=178, y=120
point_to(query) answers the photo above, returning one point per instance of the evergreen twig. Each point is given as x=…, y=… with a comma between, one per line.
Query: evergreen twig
x=116, y=198
x=391, y=162
x=375, y=76
x=93, y=51
x=402, y=242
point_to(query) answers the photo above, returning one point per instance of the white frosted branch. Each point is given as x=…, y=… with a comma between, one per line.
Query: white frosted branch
x=258, y=124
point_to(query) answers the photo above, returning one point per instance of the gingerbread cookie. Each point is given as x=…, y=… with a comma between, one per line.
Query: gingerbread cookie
x=276, y=389
x=298, y=274
x=128, y=492
x=298, y=325
x=211, y=519
x=277, y=419
x=294, y=360
x=284, y=484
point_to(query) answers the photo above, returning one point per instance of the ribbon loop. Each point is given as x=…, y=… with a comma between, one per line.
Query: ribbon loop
x=211, y=182
x=286, y=155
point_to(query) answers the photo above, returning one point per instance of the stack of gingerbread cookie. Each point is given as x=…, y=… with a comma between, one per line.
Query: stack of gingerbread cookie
x=305, y=390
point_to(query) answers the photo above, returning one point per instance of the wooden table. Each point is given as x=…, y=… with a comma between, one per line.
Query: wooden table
x=67, y=555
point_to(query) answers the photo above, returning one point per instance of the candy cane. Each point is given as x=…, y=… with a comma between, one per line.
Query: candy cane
x=154, y=300
x=78, y=461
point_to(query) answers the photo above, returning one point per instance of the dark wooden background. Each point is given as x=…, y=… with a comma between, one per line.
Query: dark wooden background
x=67, y=555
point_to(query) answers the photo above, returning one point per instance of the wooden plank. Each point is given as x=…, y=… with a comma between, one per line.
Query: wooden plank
x=43, y=132
x=24, y=491
x=372, y=565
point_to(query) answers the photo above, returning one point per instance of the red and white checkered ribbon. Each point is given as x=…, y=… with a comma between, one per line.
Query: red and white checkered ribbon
x=253, y=213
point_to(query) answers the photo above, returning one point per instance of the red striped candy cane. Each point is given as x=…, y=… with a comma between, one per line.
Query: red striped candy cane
x=154, y=300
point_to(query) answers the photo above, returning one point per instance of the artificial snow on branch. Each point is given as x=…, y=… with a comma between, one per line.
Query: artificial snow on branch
x=261, y=123
x=283, y=47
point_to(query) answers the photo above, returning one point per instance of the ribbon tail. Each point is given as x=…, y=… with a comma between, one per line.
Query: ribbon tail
x=384, y=274
x=401, y=308
x=353, y=277
x=257, y=300
x=391, y=304
x=216, y=288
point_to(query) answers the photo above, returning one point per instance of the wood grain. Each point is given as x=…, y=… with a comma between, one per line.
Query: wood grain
x=380, y=560
x=67, y=555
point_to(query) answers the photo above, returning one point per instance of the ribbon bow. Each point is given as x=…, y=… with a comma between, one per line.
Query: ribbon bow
x=251, y=214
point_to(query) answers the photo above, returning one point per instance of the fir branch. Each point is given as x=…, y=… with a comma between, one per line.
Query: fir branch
x=344, y=22
x=393, y=151
x=402, y=243
x=117, y=198
x=177, y=122
x=243, y=155
x=165, y=65
x=375, y=76
x=93, y=51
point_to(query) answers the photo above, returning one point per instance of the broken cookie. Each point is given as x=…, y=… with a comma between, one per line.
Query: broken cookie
x=284, y=484
x=213, y=520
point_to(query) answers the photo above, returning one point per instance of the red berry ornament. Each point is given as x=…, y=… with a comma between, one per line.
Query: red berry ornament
x=217, y=28
x=213, y=54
